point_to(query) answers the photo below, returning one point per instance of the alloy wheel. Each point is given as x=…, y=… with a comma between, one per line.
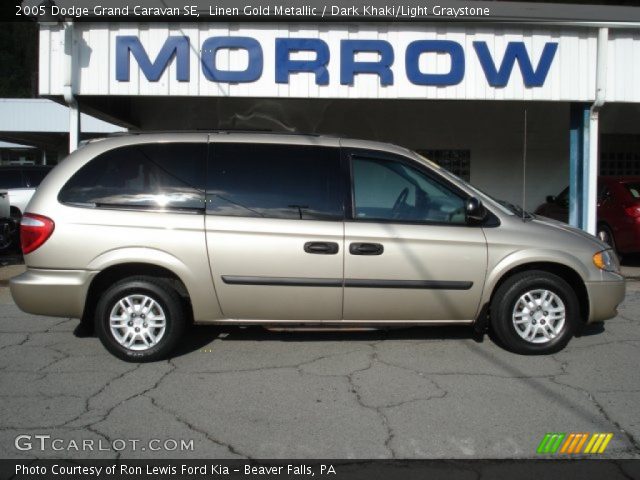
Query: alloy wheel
x=137, y=322
x=539, y=316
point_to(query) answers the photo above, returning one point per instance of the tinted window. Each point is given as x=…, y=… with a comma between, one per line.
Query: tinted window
x=388, y=190
x=34, y=177
x=146, y=176
x=274, y=181
x=10, y=178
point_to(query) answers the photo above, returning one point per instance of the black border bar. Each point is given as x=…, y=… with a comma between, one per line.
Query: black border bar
x=347, y=10
x=307, y=469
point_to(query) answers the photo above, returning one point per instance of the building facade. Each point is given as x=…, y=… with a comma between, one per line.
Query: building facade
x=522, y=110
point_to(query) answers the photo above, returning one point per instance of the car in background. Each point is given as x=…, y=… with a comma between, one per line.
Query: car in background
x=19, y=182
x=618, y=212
x=5, y=221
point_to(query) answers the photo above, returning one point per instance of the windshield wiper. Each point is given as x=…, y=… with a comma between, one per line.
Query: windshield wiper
x=516, y=209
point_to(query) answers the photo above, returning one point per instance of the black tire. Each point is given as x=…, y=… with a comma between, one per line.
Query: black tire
x=504, y=303
x=166, y=298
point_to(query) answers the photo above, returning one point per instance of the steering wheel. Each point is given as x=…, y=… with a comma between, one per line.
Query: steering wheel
x=402, y=198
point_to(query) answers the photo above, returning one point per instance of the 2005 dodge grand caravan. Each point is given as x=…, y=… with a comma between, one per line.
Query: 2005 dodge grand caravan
x=144, y=233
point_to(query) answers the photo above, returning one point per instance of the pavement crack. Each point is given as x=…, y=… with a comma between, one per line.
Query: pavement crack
x=379, y=411
x=201, y=431
x=603, y=412
x=87, y=402
x=27, y=337
x=185, y=422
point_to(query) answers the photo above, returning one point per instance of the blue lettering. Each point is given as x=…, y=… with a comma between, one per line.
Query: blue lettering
x=349, y=67
x=253, y=71
x=417, y=48
x=173, y=47
x=285, y=66
x=515, y=51
x=178, y=47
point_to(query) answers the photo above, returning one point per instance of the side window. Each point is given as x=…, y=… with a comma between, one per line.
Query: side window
x=10, y=179
x=274, y=181
x=389, y=190
x=163, y=175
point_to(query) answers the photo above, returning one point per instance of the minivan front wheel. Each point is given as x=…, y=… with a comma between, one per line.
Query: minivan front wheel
x=140, y=319
x=534, y=312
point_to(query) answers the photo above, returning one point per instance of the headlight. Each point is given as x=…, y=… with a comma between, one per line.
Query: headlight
x=607, y=260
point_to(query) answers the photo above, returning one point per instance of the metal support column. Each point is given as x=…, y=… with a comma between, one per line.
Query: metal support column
x=590, y=175
x=71, y=54
x=578, y=163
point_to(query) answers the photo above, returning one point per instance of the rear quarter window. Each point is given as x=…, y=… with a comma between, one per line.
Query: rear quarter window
x=155, y=176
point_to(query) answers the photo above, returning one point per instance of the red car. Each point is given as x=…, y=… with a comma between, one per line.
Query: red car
x=618, y=211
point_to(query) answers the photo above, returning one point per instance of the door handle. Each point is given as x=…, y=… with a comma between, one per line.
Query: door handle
x=321, y=248
x=366, y=249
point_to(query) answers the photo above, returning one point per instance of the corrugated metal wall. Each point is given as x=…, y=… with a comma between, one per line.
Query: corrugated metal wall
x=570, y=78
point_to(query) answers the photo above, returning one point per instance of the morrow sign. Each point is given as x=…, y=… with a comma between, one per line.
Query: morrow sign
x=497, y=71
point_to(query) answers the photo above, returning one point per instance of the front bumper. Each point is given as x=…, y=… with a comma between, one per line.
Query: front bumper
x=54, y=293
x=604, y=297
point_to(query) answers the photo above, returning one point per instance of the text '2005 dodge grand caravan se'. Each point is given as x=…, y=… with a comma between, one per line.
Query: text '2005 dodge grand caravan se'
x=144, y=233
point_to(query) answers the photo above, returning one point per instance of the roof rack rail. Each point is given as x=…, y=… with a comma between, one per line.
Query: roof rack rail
x=220, y=131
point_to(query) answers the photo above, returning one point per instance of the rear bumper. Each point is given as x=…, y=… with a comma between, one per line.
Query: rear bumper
x=604, y=298
x=54, y=293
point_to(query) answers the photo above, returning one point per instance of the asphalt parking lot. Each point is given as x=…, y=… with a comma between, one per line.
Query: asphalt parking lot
x=415, y=393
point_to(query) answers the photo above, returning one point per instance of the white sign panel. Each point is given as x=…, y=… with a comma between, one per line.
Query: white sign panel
x=336, y=61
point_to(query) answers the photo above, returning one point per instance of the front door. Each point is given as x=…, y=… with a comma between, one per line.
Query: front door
x=410, y=254
x=275, y=230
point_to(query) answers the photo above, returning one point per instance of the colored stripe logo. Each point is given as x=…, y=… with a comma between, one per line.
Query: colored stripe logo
x=574, y=442
x=598, y=443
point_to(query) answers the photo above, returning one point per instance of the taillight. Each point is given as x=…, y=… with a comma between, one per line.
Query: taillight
x=633, y=211
x=34, y=231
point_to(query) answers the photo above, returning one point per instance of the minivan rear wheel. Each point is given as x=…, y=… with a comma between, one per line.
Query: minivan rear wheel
x=534, y=312
x=140, y=319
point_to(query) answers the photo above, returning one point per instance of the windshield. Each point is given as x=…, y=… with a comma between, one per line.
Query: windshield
x=504, y=206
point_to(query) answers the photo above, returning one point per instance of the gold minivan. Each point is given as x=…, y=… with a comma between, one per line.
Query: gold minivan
x=144, y=233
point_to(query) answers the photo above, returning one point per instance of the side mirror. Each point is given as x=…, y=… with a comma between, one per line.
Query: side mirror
x=550, y=199
x=475, y=210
